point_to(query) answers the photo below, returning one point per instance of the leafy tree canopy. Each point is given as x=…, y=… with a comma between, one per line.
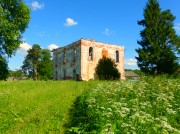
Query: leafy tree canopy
x=106, y=69
x=45, y=65
x=16, y=73
x=38, y=63
x=14, y=19
x=158, y=41
x=31, y=62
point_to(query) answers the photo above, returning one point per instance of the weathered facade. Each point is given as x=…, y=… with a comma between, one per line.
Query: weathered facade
x=79, y=59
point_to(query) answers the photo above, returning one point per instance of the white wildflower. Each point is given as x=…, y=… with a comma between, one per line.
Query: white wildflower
x=109, y=109
x=170, y=111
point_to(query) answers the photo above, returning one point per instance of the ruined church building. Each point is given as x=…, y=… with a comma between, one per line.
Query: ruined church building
x=79, y=59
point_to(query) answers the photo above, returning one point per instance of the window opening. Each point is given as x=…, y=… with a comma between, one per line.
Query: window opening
x=64, y=77
x=117, y=56
x=74, y=74
x=74, y=55
x=90, y=53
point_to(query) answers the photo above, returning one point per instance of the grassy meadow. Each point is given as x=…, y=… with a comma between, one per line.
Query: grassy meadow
x=151, y=105
x=37, y=107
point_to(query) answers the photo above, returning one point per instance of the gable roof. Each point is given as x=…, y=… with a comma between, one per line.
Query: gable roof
x=131, y=74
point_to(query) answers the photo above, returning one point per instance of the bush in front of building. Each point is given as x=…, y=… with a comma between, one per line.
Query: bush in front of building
x=106, y=69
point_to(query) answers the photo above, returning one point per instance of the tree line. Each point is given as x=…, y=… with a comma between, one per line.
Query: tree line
x=38, y=63
x=158, y=51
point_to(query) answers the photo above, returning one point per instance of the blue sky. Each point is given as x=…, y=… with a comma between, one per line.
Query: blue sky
x=56, y=23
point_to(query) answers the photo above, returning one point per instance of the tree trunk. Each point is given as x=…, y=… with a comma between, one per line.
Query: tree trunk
x=36, y=71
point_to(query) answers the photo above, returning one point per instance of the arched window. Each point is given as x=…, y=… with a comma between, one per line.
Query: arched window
x=117, y=56
x=90, y=53
x=74, y=54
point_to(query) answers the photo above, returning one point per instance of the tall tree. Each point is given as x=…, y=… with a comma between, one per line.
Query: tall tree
x=38, y=63
x=31, y=61
x=45, y=65
x=158, y=40
x=3, y=68
x=14, y=19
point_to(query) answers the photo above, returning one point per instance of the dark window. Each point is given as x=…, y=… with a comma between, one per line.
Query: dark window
x=74, y=74
x=64, y=71
x=90, y=53
x=117, y=56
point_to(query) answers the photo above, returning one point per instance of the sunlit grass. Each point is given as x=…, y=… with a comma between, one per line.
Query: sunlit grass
x=37, y=106
x=151, y=105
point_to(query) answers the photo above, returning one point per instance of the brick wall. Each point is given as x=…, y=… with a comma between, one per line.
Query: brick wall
x=79, y=59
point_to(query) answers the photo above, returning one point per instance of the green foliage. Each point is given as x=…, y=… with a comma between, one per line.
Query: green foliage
x=147, y=106
x=178, y=43
x=3, y=68
x=30, y=64
x=14, y=19
x=37, y=107
x=106, y=69
x=45, y=65
x=158, y=41
x=38, y=63
x=150, y=105
x=17, y=73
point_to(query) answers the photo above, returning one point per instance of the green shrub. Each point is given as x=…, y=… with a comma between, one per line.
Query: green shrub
x=106, y=69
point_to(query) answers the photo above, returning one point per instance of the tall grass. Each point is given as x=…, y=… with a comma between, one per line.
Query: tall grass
x=151, y=105
x=37, y=106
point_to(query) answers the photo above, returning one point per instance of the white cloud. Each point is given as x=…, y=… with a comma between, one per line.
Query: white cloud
x=35, y=5
x=70, y=22
x=108, y=32
x=24, y=47
x=52, y=46
x=130, y=62
x=177, y=27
